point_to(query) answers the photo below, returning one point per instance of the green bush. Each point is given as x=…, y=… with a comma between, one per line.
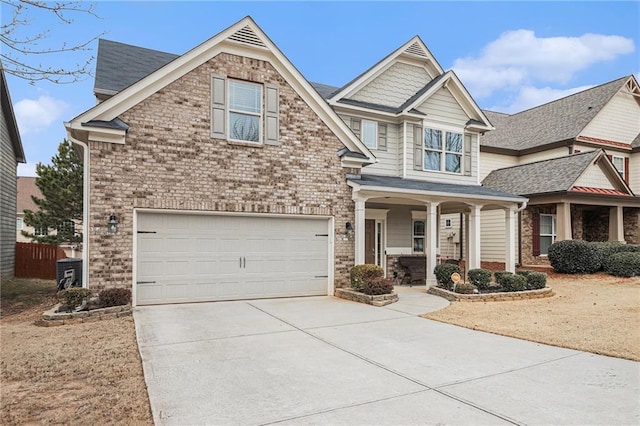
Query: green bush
x=73, y=297
x=480, y=278
x=499, y=275
x=609, y=248
x=361, y=274
x=536, y=280
x=524, y=272
x=513, y=282
x=625, y=264
x=575, y=257
x=443, y=273
x=378, y=286
x=114, y=297
x=465, y=288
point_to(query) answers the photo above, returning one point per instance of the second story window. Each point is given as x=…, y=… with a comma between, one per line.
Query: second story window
x=370, y=133
x=618, y=162
x=245, y=111
x=443, y=151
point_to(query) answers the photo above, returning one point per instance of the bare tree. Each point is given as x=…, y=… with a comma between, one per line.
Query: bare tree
x=20, y=47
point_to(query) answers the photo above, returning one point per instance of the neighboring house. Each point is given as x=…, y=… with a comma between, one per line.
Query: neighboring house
x=229, y=176
x=26, y=190
x=577, y=159
x=11, y=154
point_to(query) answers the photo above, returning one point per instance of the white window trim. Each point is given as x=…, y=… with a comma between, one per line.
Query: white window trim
x=231, y=110
x=37, y=233
x=375, y=132
x=414, y=236
x=554, y=231
x=613, y=158
x=448, y=223
x=19, y=221
x=443, y=151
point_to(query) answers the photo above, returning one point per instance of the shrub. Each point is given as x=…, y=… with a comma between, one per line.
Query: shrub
x=361, y=274
x=499, y=275
x=536, y=280
x=73, y=297
x=465, y=288
x=443, y=274
x=114, y=297
x=378, y=286
x=524, y=272
x=480, y=278
x=513, y=282
x=575, y=257
x=624, y=264
x=609, y=248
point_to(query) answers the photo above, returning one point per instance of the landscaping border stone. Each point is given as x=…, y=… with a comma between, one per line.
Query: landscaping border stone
x=491, y=297
x=52, y=318
x=356, y=296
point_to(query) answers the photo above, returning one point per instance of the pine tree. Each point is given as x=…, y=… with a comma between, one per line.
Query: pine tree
x=61, y=187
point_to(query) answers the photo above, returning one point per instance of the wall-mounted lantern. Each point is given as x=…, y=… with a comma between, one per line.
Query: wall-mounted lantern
x=112, y=227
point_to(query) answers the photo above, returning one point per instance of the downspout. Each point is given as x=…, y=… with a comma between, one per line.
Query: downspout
x=85, y=208
x=404, y=149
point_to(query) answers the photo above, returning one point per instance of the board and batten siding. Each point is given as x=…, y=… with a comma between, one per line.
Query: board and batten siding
x=634, y=172
x=394, y=86
x=618, y=121
x=8, y=189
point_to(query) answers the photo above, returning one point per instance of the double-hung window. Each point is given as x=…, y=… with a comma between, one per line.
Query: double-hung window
x=40, y=231
x=418, y=236
x=245, y=111
x=618, y=162
x=453, y=153
x=370, y=133
x=19, y=224
x=443, y=151
x=547, y=232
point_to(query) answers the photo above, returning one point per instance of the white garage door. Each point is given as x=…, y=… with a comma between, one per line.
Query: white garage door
x=197, y=258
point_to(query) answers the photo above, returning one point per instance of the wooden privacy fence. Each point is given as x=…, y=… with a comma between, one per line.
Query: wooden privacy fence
x=37, y=260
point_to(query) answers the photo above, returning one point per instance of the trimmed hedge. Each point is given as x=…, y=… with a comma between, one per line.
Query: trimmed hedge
x=73, y=297
x=524, y=272
x=575, y=257
x=465, y=288
x=625, y=264
x=498, y=275
x=443, y=273
x=513, y=282
x=479, y=278
x=114, y=297
x=609, y=248
x=361, y=274
x=536, y=280
x=378, y=286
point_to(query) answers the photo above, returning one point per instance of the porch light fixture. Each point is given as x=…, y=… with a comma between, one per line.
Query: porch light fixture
x=112, y=227
x=349, y=227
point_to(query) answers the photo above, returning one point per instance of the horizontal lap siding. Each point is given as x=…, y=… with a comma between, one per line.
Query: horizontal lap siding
x=7, y=202
x=544, y=155
x=618, y=121
x=490, y=161
x=634, y=173
x=387, y=164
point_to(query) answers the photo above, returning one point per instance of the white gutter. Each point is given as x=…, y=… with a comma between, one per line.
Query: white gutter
x=85, y=207
x=522, y=207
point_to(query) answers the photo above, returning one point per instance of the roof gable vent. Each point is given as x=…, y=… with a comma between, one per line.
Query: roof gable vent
x=247, y=36
x=416, y=49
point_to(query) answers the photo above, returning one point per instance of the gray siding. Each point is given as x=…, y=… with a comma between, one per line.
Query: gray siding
x=395, y=85
x=7, y=202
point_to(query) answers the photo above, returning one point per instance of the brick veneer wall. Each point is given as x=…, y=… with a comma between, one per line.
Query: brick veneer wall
x=596, y=224
x=527, y=234
x=170, y=162
x=632, y=225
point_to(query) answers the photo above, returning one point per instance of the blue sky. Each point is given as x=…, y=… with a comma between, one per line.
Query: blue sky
x=510, y=55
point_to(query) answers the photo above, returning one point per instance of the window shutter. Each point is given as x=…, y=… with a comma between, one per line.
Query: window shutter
x=355, y=126
x=626, y=170
x=382, y=136
x=467, y=155
x=271, y=121
x=218, y=107
x=535, y=224
x=418, y=151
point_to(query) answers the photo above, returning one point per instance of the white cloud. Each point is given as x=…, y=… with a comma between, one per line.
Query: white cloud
x=520, y=57
x=529, y=96
x=28, y=169
x=35, y=115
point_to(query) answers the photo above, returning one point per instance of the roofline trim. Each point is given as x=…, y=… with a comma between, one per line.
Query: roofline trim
x=14, y=131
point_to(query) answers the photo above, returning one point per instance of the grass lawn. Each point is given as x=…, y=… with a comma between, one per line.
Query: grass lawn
x=87, y=373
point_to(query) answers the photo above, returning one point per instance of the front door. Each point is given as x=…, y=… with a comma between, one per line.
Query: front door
x=370, y=241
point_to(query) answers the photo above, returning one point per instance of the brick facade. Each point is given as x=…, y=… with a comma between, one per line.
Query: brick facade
x=632, y=225
x=527, y=257
x=170, y=161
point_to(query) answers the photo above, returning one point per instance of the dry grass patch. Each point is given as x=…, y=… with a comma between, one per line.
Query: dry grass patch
x=593, y=313
x=88, y=373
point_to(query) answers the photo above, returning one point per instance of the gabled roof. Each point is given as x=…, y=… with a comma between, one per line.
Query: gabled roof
x=550, y=176
x=10, y=119
x=245, y=35
x=325, y=90
x=414, y=48
x=556, y=121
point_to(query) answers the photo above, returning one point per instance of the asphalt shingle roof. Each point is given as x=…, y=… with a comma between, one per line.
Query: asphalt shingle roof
x=541, y=177
x=325, y=90
x=555, y=121
x=120, y=65
x=420, y=185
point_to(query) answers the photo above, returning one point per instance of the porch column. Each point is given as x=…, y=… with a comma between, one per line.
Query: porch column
x=474, y=238
x=432, y=237
x=616, y=224
x=359, y=229
x=465, y=218
x=563, y=222
x=510, y=239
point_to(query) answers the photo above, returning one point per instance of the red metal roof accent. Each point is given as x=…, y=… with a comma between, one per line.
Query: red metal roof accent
x=603, y=141
x=601, y=191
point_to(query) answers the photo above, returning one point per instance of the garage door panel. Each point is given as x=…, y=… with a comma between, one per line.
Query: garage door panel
x=208, y=258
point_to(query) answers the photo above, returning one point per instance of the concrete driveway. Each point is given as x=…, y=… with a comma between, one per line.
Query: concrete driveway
x=323, y=360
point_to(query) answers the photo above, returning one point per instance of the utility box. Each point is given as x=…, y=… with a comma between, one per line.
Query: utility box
x=64, y=268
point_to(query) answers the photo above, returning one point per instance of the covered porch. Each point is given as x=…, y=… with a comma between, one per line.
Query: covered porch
x=397, y=217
